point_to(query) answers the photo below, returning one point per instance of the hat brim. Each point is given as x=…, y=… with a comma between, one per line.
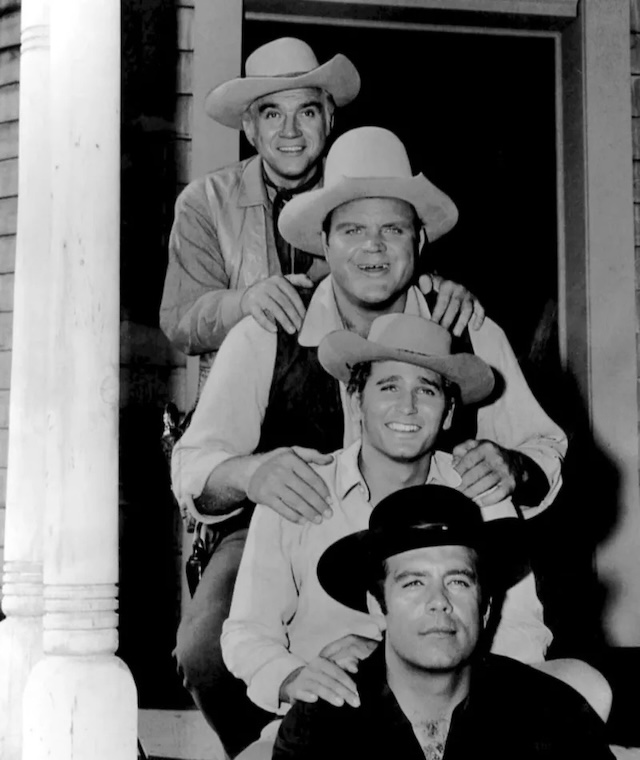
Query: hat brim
x=341, y=350
x=302, y=218
x=227, y=102
x=345, y=568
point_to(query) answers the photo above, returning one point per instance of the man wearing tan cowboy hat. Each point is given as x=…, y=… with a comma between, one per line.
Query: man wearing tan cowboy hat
x=226, y=257
x=428, y=567
x=268, y=411
x=285, y=637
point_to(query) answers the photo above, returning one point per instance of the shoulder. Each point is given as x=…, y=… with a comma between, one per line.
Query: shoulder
x=217, y=185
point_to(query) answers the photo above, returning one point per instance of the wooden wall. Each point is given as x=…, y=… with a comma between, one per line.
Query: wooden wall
x=9, y=78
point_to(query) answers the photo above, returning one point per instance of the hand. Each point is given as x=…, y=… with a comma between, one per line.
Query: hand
x=275, y=300
x=454, y=300
x=284, y=481
x=320, y=678
x=487, y=470
x=349, y=650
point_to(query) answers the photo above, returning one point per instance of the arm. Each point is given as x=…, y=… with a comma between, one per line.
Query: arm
x=226, y=422
x=254, y=637
x=517, y=423
x=198, y=308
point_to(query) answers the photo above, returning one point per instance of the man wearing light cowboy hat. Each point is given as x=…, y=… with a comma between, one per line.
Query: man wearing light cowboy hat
x=268, y=409
x=226, y=257
x=285, y=637
x=428, y=567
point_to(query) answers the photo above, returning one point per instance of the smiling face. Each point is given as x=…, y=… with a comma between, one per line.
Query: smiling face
x=402, y=409
x=289, y=130
x=433, y=608
x=371, y=248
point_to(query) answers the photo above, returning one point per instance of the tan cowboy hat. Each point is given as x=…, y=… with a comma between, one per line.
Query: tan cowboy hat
x=283, y=64
x=367, y=162
x=409, y=339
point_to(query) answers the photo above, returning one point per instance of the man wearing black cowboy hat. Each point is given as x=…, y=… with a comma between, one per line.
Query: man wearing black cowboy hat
x=429, y=566
x=226, y=256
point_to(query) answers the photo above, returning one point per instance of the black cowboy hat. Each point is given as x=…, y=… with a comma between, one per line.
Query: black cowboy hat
x=417, y=517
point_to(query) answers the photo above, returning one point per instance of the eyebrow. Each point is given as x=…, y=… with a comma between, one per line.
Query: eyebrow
x=404, y=574
x=272, y=104
x=423, y=380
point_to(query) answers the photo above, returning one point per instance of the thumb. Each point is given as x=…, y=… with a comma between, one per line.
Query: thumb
x=312, y=455
x=463, y=448
x=300, y=280
x=425, y=283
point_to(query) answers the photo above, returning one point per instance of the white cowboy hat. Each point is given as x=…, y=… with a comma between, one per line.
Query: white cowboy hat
x=367, y=162
x=409, y=339
x=283, y=64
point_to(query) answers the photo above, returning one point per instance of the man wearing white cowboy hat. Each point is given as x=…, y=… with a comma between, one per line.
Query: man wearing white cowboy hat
x=226, y=257
x=428, y=567
x=285, y=637
x=268, y=409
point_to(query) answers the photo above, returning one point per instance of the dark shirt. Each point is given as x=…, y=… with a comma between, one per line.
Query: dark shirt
x=512, y=712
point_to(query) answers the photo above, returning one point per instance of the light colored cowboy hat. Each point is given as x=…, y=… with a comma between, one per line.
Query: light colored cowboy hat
x=283, y=64
x=367, y=162
x=409, y=339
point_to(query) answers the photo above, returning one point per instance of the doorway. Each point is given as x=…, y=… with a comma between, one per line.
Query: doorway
x=477, y=113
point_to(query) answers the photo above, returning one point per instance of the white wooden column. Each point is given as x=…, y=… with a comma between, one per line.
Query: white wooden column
x=80, y=700
x=21, y=632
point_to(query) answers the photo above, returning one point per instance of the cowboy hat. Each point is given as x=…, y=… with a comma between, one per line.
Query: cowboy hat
x=419, y=517
x=367, y=162
x=410, y=339
x=282, y=64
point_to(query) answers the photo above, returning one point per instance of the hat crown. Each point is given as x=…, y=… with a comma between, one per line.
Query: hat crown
x=405, y=332
x=367, y=152
x=281, y=57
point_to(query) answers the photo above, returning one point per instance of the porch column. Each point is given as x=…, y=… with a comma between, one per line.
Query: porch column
x=21, y=631
x=80, y=700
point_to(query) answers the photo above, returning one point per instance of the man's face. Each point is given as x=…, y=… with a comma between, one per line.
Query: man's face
x=402, y=409
x=371, y=250
x=289, y=130
x=433, y=605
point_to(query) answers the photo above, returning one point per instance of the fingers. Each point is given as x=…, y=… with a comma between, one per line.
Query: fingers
x=349, y=647
x=329, y=682
x=287, y=484
x=312, y=455
x=453, y=300
x=485, y=471
x=464, y=316
x=478, y=315
x=274, y=300
x=299, y=280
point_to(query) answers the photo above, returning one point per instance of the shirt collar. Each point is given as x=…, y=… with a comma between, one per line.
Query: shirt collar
x=348, y=475
x=323, y=317
x=252, y=190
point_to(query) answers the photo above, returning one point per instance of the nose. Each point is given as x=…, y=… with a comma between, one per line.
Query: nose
x=290, y=127
x=374, y=242
x=407, y=402
x=437, y=599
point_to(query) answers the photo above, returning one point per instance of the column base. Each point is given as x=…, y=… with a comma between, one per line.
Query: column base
x=20, y=650
x=80, y=707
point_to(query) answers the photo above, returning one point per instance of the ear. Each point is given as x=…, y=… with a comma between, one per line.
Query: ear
x=325, y=243
x=376, y=611
x=354, y=401
x=422, y=239
x=249, y=129
x=448, y=420
x=487, y=615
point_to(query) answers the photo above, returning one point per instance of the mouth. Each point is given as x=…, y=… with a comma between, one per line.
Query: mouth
x=373, y=268
x=403, y=427
x=291, y=150
x=438, y=632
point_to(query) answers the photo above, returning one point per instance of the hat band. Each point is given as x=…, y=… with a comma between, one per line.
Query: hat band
x=278, y=76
